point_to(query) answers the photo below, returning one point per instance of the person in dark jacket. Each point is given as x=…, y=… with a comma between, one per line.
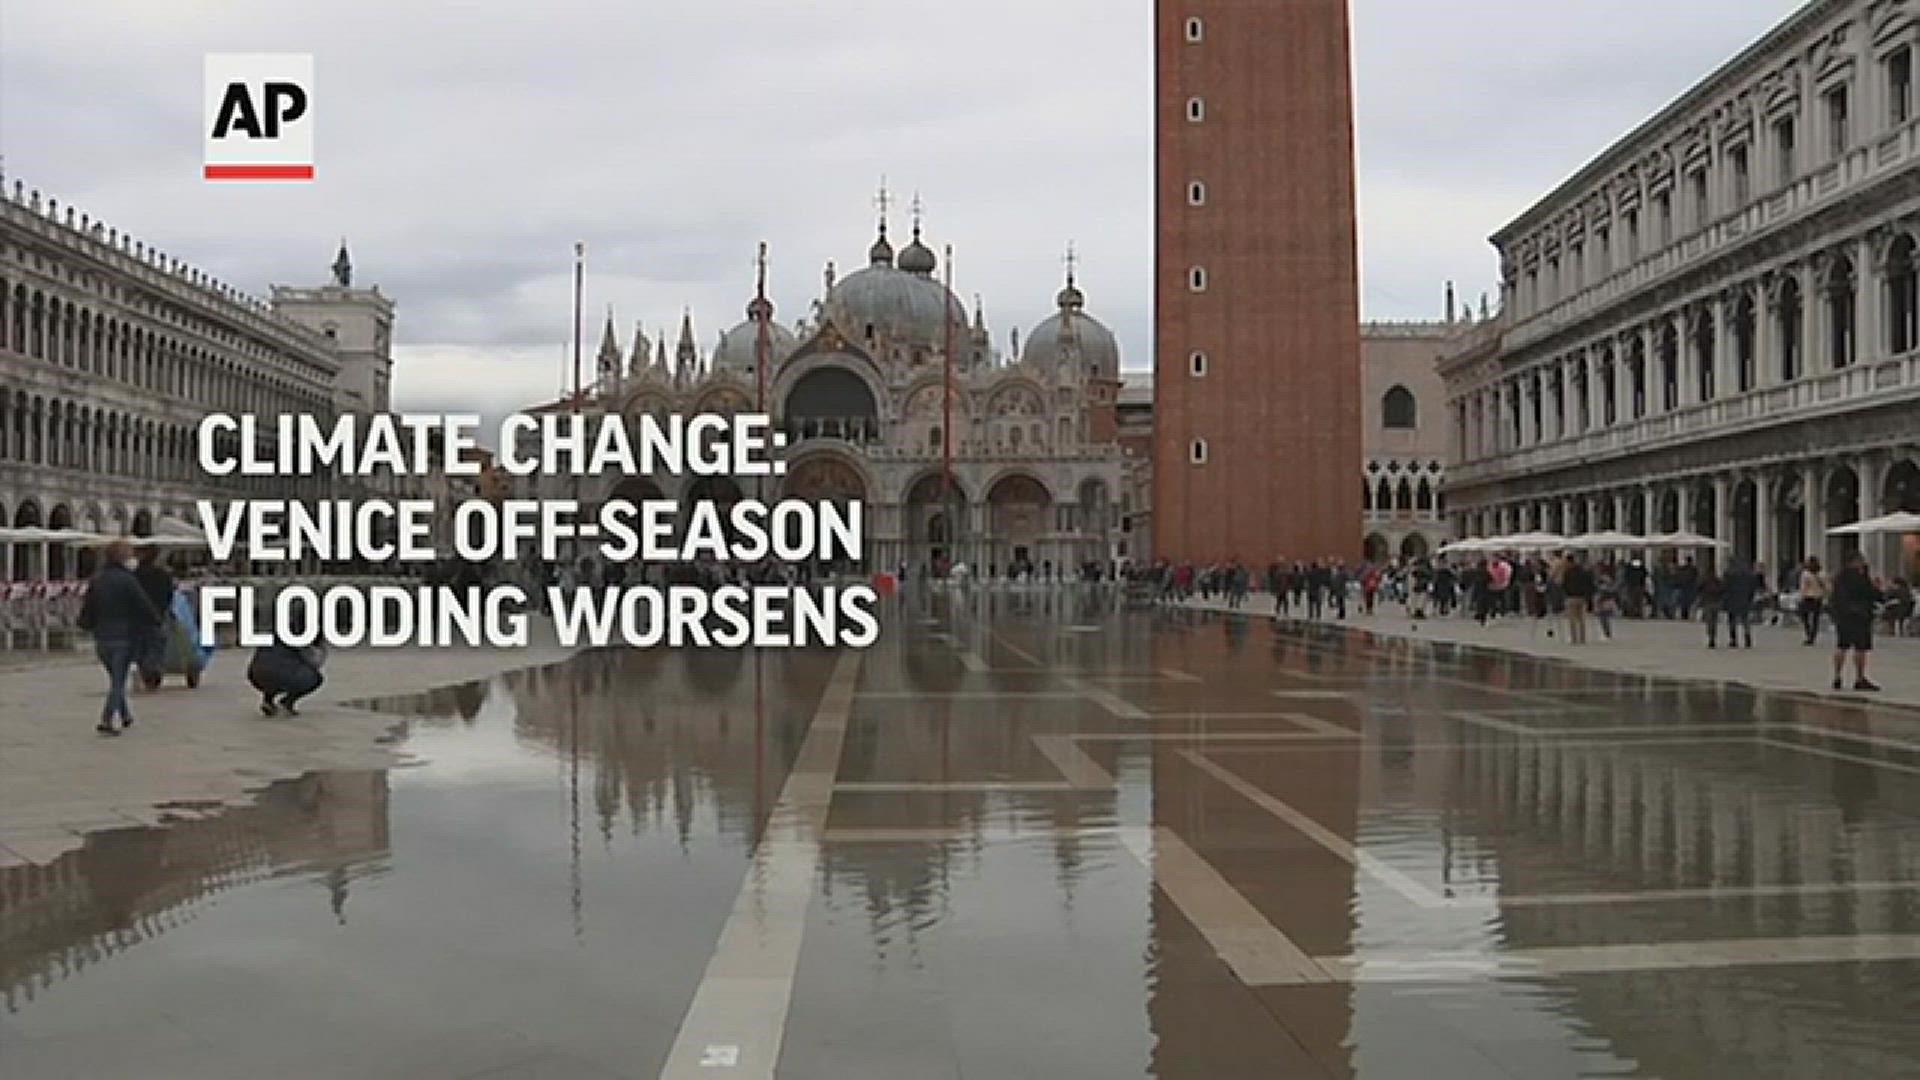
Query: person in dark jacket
x=1853, y=602
x=285, y=673
x=1743, y=586
x=157, y=583
x=120, y=616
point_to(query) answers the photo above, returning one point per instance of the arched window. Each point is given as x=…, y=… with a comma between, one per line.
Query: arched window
x=1366, y=496
x=1423, y=496
x=1398, y=411
x=1403, y=497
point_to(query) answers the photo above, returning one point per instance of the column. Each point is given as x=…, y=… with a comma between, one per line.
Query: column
x=1622, y=380
x=1812, y=314
x=1619, y=511
x=1726, y=355
x=1529, y=429
x=1872, y=472
x=1765, y=538
x=1596, y=415
x=1683, y=506
x=1566, y=517
x=1650, y=366
x=1766, y=337
x=1723, y=529
x=1812, y=480
x=1650, y=507
x=1869, y=335
x=1689, y=357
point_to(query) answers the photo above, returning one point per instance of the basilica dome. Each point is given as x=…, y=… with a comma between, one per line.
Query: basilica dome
x=904, y=305
x=737, y=348
x=1098, y=347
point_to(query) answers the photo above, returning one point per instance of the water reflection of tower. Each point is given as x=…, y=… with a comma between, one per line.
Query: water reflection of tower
x=126, y=886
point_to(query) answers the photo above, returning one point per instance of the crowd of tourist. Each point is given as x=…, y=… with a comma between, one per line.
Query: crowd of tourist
x=1574, y=591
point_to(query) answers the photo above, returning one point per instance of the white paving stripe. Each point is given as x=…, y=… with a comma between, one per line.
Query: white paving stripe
x=1074, y=764
x=1604, y=959
x=1108, y=700
x=739, y=1011
x=1256, y=951
x=920, y=787
x=1818, y=751
x=1319, y=834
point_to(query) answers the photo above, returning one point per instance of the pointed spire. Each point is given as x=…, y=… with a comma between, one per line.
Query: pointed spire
x=343, y=266
x=687, y=355
x=660, y=354
x=1450, y=304
x=609, y=355
x=637, y=363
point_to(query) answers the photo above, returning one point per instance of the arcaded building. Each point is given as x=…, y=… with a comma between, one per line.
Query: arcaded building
x=1256, y=309
x=1712, y=326
x=111, y=352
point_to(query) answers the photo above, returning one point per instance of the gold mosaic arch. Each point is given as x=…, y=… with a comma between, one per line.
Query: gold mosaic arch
x=824, y=477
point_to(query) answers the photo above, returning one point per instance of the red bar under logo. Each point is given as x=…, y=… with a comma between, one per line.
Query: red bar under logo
x=259, y=172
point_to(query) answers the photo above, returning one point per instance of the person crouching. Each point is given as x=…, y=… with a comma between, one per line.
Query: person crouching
x=284, y=674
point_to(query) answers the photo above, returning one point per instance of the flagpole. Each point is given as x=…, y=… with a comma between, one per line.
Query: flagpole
x=579, y=274
x=946, y=411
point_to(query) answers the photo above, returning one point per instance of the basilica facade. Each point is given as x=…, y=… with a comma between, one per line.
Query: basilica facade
x=894, y=396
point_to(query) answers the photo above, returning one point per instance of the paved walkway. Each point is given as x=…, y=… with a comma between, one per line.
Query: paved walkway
x=1778, y=661
x=194, y=751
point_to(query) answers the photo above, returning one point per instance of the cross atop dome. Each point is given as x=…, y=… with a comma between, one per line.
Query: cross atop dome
x=883, y=201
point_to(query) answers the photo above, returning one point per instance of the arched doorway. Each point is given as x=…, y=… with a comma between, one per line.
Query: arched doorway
x=1789, y=522
x=832, y=403
x=26, y=558
x=1842, y=503
x=1097, y=525
x=1017, y=511
x=1746, y=521
x=936, y=527
x=1413, y=548
x=59, y=556
x=143, y=523
x=1375, y=549
x=828, y=478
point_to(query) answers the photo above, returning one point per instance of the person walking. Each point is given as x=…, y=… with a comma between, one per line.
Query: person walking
x=1578, y=585
x=1606, y=602
x=1710, y=591
x=1855, y=599
x=1743, y=585
x=150, y=652
x=119, y=615
x=1813, y=597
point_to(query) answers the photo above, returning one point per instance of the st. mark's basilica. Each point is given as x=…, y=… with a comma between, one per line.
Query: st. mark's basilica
x=893, y=395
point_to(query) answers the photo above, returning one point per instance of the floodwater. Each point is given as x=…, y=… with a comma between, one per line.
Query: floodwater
x=1025, y=835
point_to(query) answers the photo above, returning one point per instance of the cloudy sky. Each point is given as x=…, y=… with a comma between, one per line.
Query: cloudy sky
x=463, y=148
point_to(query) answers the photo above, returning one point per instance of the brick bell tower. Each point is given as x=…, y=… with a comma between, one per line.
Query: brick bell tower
x=1257, y=422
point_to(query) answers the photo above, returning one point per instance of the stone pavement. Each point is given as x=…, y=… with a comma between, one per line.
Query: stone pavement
x=192, y=752
x=1778, y=661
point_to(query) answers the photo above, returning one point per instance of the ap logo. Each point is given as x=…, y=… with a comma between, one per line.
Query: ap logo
x=259, y=116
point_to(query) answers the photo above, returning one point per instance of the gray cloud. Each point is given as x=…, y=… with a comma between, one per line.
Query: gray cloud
x=464, y=148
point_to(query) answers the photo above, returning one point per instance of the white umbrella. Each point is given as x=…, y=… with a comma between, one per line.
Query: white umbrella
x=1461, y=546
x=1684, y=539
x=1534, y=541
x=1609, y=539
x=35, y=534
x=1902, y=522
